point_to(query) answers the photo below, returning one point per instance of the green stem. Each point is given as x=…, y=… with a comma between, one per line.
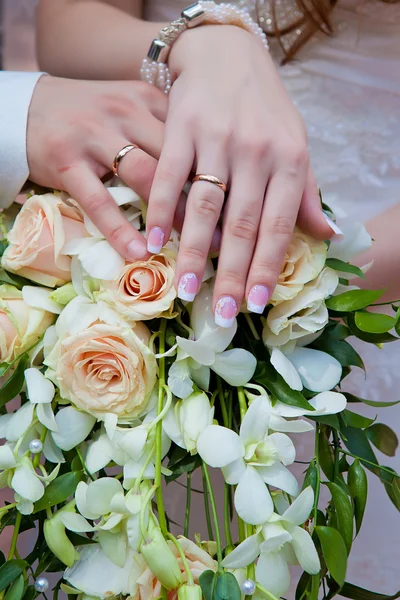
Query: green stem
x=21, y=439
x=78, y=452
x=242, y=403
x=224, y=411
x=241, y=530
x=142, y=470
x=266, y=593
x=227, y=520
x=366, y=461
x=36, y=459
x=315, y=585
x=143, y=509
x=207, y=509
x=189, y=576
x=5, y=509
x=214, y=514
x=318, y=473
x=14, y=538
x=251, y=325
x=160, y=406
x=188, y=503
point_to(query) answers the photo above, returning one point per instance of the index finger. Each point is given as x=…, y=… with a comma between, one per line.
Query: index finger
x=84, y=186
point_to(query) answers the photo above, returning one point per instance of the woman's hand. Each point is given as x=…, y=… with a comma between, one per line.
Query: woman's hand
x=75, y=129
x=229, y=116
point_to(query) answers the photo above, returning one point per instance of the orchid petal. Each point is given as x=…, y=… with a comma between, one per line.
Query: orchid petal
x=113, y=546
x=102, y=261
x=203, y=322
x=318, y=370
x=45, y=414
x=100, y=493
x=112, y=521
x=51, y=452
x=81, y=501
x=40, y=390
x=7, y=459
x=295, y=426
x=133, y=442
x=284, y=447
x=201, y=353
x=133, y=530
x=305, y=551
x=253, y=501
x=171, y=428
x=275, y=536
x=99, y=454
x=272, y=572
x=234, y=471
x=235, y=366
x=73, y=427
x=74, y=522
x=328, y=403
x=286, y=369
x=219, y=446
x=280, y=477
x=179, y=380
x=299, y=511
x=256, y=421
x=26, y=484
x=244, y=554
x=20, y=422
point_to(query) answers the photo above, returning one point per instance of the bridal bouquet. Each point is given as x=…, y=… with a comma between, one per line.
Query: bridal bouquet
x=112, y=388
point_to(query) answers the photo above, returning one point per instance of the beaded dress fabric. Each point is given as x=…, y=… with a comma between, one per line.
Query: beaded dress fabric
x=347, y=88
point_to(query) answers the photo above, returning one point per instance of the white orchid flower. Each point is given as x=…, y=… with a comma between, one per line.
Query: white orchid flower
x=279, y=542
x=207, y=350
x=326, y=403
x=252, y=459
x=187, y=419
x=97, y=256
x=355, y=241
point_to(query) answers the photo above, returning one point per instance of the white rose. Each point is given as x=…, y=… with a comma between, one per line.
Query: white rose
x=304, y=260
x=303, y=315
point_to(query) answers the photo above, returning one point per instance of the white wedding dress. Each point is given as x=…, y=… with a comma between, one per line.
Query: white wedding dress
x=347, y=88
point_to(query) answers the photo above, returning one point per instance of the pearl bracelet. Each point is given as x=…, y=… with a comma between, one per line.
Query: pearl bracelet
x=154, y=67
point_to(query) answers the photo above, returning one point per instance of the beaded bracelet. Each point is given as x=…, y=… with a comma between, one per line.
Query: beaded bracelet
x=154, y=67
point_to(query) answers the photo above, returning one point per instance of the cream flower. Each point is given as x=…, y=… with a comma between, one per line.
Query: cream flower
x=43, y=226
x=100, y=363
x=144, y=290
x=303, y=315
x=304, y=260
x=20, y=325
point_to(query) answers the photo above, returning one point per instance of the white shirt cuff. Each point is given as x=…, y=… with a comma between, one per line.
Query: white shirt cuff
x=16, y=90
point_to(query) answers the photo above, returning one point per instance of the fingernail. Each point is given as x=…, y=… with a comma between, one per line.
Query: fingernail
x=339, y=235
x=257, y=299
x=155, y=240
x=136, y=249
x=225, y=311
x=187, y=287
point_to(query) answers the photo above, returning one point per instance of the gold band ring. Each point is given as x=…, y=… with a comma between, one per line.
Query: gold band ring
x=211, y=179
x=120, y=155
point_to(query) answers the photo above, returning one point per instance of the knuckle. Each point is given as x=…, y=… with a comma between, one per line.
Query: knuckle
x=116, y=233
x=296, y=158
x=193, y=255
x=206, y=207
x=281, y=225
x=94, y=202
x=243, y=227
x=233, y=281
x=119, y=105
x=254, y=145
x=266, y=270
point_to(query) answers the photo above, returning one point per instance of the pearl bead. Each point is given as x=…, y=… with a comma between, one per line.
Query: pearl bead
x=248, y=587
x=41, y=584
x=35, y=446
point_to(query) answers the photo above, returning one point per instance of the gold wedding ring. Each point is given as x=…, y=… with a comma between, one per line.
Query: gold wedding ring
x=120, y=155
x=211, y=179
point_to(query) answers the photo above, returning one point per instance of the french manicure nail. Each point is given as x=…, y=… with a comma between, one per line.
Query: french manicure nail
x=136, y=249
x=187, y=287
x=339, y=235
x=155, y=240
x=257, y=299
x=225, y=311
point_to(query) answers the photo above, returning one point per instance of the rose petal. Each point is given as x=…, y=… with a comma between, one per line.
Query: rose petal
x=101, y=261
x=38, y=297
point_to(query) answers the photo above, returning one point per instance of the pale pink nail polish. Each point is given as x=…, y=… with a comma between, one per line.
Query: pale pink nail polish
x=225, y=311
x=257, y=299
x=339, y=235
x=155, y=240
x=136, y=249
x=187, y=287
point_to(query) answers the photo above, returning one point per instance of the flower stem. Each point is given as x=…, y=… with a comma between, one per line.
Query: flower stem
x=227, y=520
x=361, y=459
x=318, y=473
x=251, y=325
x=143, y=509
x=36, y=459
x=189, y=576
x=160, y=406
x=222, y=402
x=214, y=514
x=266, y=593
x=242, y=403
x=188, y=502
x=241, y=530
x=207, y=509
x=14, y=538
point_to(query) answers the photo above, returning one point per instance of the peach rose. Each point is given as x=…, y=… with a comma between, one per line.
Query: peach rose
x=20, y=325
x=144, y=290
x=43, y=225
x=304, y=260
x=149, y=588
x=106, y=367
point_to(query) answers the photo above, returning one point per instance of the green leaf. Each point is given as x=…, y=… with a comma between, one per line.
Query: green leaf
x=188, y=464
x=302, y=586
x=341, y=350
x=383, y=438
x=356, y=593
x=344, y=513
x=371, y=338
x=358, y=444
x=267, y=376
x=334, y=551
x=16, y=590
x=10, y=571
x=15, y=383
x=393, y=491
x=208, y=583
x=374, y=322
x=358, y=486
x=352, y=398
x=325, y=455
x=344, y=267
x=353, y=419
x=353, y=300
x=311, y=477
x=59, y=490
x=227, y=587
